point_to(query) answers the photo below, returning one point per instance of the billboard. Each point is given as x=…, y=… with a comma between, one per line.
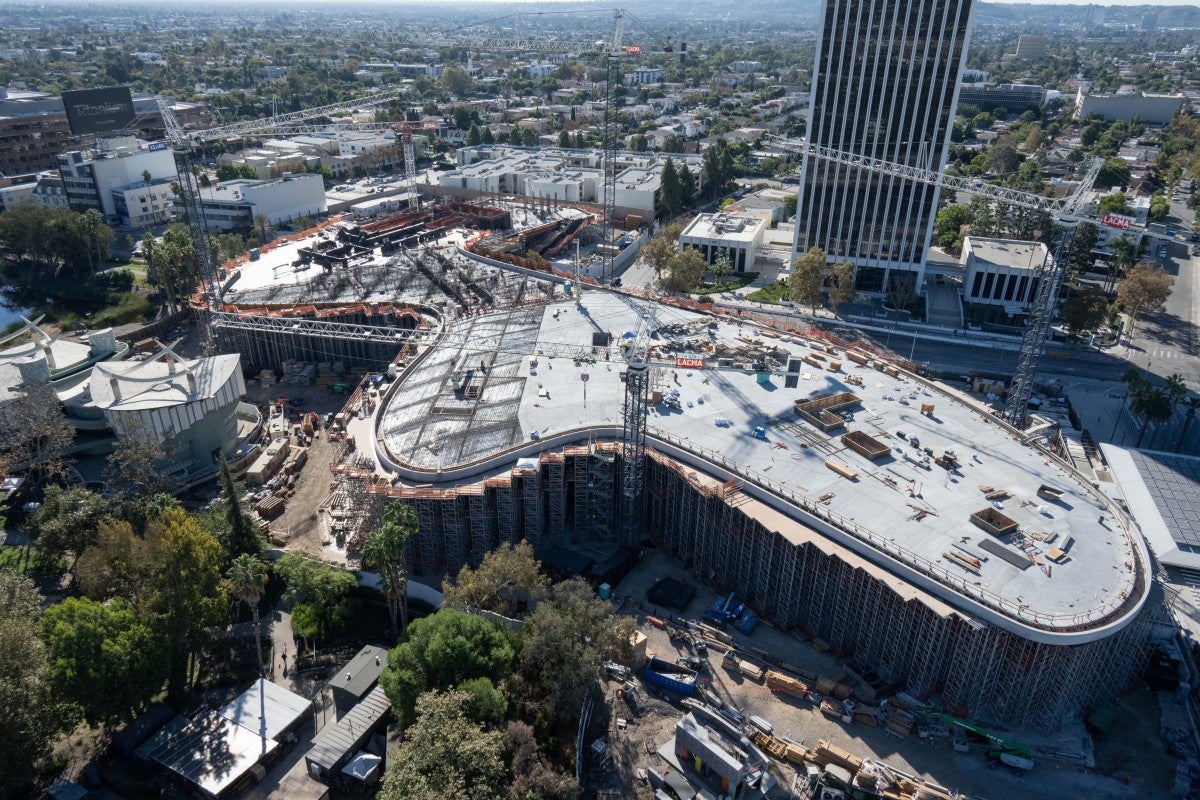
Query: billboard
x=98, y=110
x=1118, y=221
x=689, y=362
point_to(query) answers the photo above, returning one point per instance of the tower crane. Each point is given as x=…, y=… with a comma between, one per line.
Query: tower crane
x=1067, y=211
x=183, y=142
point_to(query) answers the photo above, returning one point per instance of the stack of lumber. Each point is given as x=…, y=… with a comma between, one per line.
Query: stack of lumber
x=825, y=753
x=786, y=684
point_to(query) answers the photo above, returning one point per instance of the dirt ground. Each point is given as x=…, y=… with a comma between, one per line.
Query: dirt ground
x=1134, y=751
x=299, y=519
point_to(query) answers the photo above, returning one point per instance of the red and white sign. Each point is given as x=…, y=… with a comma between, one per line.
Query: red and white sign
x=1117, y=221
x=632, y=49
x=689, y=362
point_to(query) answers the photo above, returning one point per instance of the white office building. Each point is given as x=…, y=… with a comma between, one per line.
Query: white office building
x=1003, y=272
x=739, y=237
x=142, y=204
x=91, y=178
x=234, y=204
x=884, y=85
x=1127, y=103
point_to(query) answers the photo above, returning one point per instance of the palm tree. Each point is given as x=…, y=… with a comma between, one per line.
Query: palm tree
x=1152, y=405
x=247, y=578
x=1193, y=405
x=384, y=550
x=1176, y=390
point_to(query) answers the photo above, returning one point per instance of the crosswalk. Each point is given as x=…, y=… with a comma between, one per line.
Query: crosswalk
x=1165, y=354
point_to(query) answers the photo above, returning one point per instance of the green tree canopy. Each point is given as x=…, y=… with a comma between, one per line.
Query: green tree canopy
x=1084, y=310
x=442, y=650
x=67, y=523
x=317, y=592
x=949, y=224
x=1115, y=203
x=104, y=657
x=685, y=270
x=563, y=644
x=32, y=714
x=384, y=552
x=509, y=581
x=445, y=754
x=1144, y=290
x=808, y=273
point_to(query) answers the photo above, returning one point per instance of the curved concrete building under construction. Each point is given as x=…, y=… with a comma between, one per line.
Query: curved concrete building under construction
x=893, y=520
x=889, y=517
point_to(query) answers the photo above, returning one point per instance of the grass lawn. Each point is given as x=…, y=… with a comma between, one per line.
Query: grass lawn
x=728, y=283
x=15, y=558
x=772, y=293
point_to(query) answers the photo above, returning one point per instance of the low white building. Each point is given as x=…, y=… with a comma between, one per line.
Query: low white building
x=17, y=194
x=92, y=177
x=1002, y=272
x=541, y=70
x=643, y=75
x=49, y=190
x=235, y=204
x=1127, y=103
x=740, y=237
x=142, y=204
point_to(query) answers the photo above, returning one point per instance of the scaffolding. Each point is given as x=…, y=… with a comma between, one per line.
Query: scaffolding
x=802, y=580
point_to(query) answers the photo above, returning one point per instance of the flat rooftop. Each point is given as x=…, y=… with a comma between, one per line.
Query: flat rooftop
x=1007, y=252
x=727, y=227
x=1072, y=566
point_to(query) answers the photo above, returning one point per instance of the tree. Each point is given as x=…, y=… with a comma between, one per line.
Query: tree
x=685, y=270
x=134, y=471
x=263, y=231
x=662, y=248
x=1191, y=406
x=901, y=290
x=120, y=564
x=1144, y=290
x=1113, y=174
x=564, y=138
x=949, y=224
x=673, y=143
x=1084, y=310
x=721, y=265
x=841, y=284
x=1151, y=405
x=808, y=273
x=1115, y=203
x=36, y=434
x=31, y=713
x=456, y=81
x=104, y=657
x=474, y=135
x=445, y=754
x=247, y=580
x=508, y=581
x=188, y=596
x=384, y=550
x=442, y=650
x=318, y=594
x=717, y=170
x=239, y=535
x=67, y=523
x=670, y=190
x=486, y=704
x=1003, y=159
x=564, y=642
x=637, y=143
x=1081, y=257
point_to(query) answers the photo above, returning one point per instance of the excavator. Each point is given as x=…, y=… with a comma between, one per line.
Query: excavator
x=1017, y=757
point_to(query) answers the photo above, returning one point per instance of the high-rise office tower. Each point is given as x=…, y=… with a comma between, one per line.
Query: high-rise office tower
x=884, y=85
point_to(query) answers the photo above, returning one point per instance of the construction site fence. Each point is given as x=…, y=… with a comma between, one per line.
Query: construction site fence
x=156, y=329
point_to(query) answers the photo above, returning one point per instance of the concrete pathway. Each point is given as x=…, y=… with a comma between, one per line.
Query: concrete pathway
x=283, y=648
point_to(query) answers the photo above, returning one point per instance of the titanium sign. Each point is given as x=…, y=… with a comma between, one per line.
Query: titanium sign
x=98, y=110
x=1117, y=221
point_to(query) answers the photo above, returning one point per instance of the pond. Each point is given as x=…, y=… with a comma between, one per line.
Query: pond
x=10, y=313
